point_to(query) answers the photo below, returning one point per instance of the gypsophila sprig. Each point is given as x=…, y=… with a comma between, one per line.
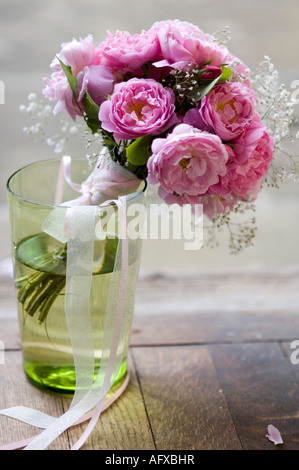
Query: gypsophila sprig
x=276, y=107
x=240, y=233
x=275, y=103
x=223, y=36
x=41, y=114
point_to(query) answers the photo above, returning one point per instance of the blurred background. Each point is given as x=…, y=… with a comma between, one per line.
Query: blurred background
x=31, y=33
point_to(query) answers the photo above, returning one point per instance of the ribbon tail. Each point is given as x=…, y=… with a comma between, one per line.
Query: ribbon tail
x=88, y=416
x=29, y=415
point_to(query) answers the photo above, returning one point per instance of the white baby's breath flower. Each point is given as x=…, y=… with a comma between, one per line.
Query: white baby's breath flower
x=73, y=130
x=41, y=114
x=275, y=104
x=32, y=97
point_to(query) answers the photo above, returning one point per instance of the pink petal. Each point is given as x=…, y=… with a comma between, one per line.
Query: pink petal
x=274, y=435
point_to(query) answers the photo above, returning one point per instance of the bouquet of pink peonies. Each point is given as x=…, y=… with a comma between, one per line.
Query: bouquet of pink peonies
x=175, y=108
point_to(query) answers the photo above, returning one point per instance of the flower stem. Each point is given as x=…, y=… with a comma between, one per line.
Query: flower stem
x=48, y=300
x=39, y=290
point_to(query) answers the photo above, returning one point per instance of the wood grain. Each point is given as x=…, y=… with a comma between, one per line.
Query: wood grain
x=221, y=327
x=194, y=329
x=231, y=291
x=183, y=399
x=124, y=426
x=260, y=389
x=16, y=390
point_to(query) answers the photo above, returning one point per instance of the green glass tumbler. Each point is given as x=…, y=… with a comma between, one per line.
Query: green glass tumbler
x=40, y=276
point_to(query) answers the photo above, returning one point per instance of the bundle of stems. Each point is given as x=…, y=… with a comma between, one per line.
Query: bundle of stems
x=38, y=291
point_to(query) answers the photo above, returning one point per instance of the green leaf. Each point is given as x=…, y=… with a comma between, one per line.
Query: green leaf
x=70, y=77
x=92, y=112
x=139, y=151
x=226, y=74
x=200, y=91
x=90, y=107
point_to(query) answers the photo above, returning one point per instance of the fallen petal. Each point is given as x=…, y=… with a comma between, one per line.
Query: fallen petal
x=274, y=435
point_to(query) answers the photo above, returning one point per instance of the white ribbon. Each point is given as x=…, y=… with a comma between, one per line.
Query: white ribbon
x=81, y=226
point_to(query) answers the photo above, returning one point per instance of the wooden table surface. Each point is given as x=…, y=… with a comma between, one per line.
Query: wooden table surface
x=210, y=363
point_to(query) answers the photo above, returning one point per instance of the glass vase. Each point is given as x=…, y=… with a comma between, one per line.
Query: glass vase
x=40, y=277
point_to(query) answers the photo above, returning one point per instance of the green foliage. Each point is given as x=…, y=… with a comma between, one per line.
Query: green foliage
x=92, y=112
x=70, y=78
x=226, y=74
x=139, y=151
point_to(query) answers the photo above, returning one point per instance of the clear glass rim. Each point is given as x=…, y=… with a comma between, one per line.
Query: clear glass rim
x=40, y=162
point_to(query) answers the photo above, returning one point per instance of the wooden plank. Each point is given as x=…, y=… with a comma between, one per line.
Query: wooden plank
x=183, y=398
x=221, y=327
x=239, y=291
x=123, y=426
x=16, y=390
x=201, y=291
x=260, y=389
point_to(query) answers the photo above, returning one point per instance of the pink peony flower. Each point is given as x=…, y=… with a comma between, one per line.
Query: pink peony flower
x=193, y=118
x=186, y=164
x=76, y=54
x=182, y=43
x=124, y=52
x=228, y=108
x=215, y=204
x=245, y=178
x=80, y=56
x=138, y=107
x=245, y=144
